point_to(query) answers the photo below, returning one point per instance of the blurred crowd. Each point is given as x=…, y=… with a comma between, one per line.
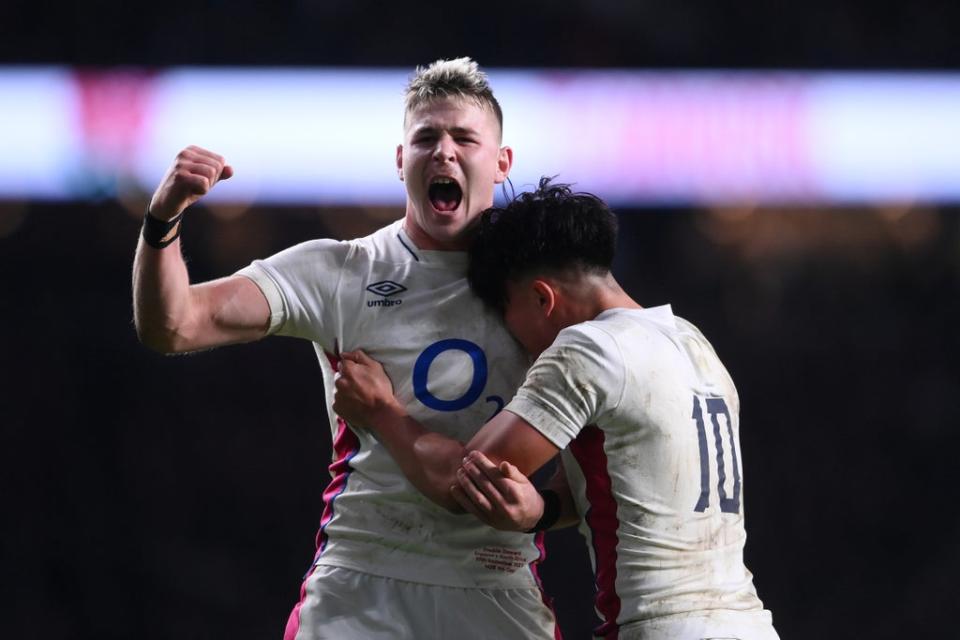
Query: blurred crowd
x=578, y=33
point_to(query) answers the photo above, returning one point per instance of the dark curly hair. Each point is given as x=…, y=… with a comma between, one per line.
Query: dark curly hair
x=552, y=229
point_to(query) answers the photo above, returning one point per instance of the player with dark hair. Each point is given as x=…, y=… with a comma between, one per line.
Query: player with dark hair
x=645, y=414
x=558, y=230
x=389, y=564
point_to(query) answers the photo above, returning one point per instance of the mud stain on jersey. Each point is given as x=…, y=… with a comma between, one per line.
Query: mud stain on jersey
x=386, y=515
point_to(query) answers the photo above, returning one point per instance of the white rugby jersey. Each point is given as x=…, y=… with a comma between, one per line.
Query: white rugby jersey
x=656, y=474
x=453, y=365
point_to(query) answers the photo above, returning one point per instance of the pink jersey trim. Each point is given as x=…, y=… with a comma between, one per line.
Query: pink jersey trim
x=601, y=517
x=293, y=622
x=345, y=446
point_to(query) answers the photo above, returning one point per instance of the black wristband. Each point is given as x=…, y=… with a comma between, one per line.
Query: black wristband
x=160, y=233
x=551, y=511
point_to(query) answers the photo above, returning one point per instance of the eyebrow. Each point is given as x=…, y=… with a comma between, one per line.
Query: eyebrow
x=453, y=130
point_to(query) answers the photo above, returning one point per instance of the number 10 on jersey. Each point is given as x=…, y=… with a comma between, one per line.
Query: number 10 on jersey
x=717, y=407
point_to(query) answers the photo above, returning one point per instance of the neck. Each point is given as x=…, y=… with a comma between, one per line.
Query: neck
x=591, y=295
x=425, y=242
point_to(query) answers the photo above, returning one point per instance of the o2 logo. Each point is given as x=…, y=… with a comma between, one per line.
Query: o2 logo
x=421, y=371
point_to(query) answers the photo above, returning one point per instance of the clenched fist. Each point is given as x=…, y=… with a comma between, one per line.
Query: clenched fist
x=190, y=177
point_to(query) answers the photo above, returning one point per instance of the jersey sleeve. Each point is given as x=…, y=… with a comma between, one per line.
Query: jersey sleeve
x=574, y=382
x=301, y=285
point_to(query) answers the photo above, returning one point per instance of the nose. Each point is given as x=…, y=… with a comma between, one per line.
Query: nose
x=444, y=151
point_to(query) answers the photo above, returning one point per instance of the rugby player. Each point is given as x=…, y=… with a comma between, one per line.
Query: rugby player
x=389, y=563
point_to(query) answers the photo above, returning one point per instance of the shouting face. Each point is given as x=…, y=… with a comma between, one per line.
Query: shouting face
x=450, y=160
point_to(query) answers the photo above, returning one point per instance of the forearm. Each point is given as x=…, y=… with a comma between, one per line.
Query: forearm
x=170, y=315
x=429, y=460
x=161, y=296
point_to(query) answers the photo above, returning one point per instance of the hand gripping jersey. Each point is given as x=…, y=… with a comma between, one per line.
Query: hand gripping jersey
x=452, y=364
x=648, y=419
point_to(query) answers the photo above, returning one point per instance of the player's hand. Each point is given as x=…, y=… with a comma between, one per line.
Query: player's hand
x=191, y=176
x=499, y=495
x=363, y=390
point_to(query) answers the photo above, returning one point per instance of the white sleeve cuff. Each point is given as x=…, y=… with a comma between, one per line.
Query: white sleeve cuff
x=543, y=420
x=260, y=277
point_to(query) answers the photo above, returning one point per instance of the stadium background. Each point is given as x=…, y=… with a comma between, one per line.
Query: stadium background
x=156, y=497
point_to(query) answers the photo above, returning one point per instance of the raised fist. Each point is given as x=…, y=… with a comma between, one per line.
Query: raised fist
x=190, y=177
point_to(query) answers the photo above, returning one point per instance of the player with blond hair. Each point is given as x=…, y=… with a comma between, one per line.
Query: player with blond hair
x=389, y=563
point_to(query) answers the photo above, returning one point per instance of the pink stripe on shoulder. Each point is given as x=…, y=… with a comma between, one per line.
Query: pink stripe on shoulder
x=601, y=517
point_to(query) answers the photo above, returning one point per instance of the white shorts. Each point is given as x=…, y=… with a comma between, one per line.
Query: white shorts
x=713, y=625
x=341, y=604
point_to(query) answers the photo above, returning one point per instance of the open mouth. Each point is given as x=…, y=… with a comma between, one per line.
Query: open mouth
x=445, y=194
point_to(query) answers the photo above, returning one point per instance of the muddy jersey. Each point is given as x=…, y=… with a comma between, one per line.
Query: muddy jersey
x=648, y=420
x=452, y=364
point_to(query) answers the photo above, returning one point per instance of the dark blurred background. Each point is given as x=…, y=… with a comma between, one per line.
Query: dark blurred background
x=159, y=497
x=499, y=33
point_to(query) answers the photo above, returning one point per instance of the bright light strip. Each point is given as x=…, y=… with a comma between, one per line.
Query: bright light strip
x=637, y=138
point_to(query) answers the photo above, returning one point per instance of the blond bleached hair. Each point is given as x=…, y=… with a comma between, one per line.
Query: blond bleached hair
x=458, y=78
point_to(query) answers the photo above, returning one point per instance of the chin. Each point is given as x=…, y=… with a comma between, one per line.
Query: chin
x=449, y=221
x=445, y=223
x=445, y=218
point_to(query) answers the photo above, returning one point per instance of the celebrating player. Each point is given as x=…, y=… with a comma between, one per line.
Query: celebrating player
x=389, y=564
x=645, y=414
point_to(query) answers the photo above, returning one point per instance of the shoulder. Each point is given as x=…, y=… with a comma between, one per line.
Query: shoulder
x=600, y=336
x=387, y=244
x=591, y=336
x=379, y=245
x=587, y=351
x=321, y=245
x=639, y=331
x=575, y=381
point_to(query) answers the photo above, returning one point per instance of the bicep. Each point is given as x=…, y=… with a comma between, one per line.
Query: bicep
x=227, y=311
x=509, y=437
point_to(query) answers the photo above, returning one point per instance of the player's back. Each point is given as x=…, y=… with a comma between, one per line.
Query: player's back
x=658, y=477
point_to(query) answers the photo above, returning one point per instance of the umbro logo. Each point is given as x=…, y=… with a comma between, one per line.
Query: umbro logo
x=385, y=288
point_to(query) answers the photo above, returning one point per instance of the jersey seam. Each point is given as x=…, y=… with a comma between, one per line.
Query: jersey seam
x=623, y=367
x=337, y=303
x=400, y=238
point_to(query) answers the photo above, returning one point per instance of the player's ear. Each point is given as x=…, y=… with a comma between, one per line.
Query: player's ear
x=400, y=161
x=546, y=297
x=504, y=162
